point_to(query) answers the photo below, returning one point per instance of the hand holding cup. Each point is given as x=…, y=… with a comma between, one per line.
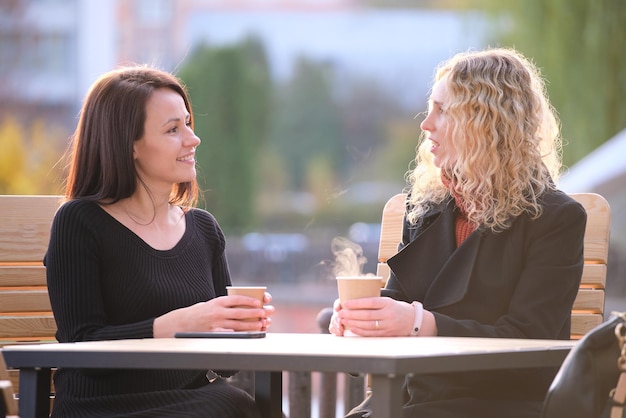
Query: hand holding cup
x=355, y=287
x=256, y=292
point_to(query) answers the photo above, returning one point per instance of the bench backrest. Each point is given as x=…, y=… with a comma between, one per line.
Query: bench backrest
x=25, y=312
x=588, y=310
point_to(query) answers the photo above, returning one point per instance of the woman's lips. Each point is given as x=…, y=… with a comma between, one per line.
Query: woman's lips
x=434, y=146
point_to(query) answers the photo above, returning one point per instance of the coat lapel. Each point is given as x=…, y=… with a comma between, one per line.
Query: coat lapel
x=429, y=268
x=450, y=285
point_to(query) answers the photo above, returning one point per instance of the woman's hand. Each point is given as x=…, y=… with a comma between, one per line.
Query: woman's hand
x=224, y=313
x=372, y=317
x=335, y=327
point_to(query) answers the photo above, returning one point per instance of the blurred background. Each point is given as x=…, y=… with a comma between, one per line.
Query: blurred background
x=308, y=110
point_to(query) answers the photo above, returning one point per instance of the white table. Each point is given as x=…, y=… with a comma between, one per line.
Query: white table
x=388, y=360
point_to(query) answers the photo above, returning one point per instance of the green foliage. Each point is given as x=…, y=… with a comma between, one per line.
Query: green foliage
x=580, y=47
x=307, y=124
x=378, y=133
x=329, y=135
x=304, y=142
x=230, y=90
x=398, y=153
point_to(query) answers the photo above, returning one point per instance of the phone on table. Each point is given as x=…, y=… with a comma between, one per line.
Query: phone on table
x=220, y=334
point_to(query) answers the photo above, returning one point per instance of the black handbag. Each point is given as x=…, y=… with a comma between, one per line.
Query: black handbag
x=591, y=382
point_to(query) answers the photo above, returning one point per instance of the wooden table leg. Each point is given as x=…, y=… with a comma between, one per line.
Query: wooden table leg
x=268, y=393
x=34, y=393
x=387, y=395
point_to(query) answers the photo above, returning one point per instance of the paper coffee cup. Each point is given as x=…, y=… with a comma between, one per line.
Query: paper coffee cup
x=257, y=292
x=355, y=287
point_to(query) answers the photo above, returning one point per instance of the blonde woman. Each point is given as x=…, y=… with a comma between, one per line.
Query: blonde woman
x=491, y=247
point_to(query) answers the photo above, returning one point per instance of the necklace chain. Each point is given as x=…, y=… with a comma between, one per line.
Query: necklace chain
x=132, y=218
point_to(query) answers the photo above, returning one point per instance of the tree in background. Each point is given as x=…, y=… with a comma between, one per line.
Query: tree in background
x=371, y=116
x=308, y=139
x=230, y=90
x=329, y=133
x=29, y=158
x=580, y=47
x=307, y=124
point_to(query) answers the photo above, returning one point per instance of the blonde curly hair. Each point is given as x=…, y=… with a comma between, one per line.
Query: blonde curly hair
x=505, y=133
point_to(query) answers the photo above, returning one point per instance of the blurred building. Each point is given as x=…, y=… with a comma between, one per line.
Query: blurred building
x=50, y=51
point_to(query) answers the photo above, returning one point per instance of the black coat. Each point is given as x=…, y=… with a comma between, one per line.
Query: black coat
x=519, y=283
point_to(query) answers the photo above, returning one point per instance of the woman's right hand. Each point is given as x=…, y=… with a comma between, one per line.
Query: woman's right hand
x=224, y=313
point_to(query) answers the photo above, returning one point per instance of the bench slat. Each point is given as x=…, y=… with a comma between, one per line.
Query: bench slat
x=24, y=301
x=19, y=276
x=26, y=328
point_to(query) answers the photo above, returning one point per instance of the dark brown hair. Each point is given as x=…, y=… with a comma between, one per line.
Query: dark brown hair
x=112, y=118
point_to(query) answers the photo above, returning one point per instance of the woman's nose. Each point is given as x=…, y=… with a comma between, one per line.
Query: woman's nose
x=193, y=139
x=426, y=124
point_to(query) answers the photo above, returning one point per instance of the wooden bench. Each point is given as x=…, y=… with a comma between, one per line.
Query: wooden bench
x=588, y=311
x=25, y=312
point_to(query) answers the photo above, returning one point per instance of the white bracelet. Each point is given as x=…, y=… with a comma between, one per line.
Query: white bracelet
x=419, y=317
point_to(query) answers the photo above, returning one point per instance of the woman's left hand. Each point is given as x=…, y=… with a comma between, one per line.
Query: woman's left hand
x=373, y=317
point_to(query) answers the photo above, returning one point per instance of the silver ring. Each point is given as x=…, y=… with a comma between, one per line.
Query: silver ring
x=377, y=324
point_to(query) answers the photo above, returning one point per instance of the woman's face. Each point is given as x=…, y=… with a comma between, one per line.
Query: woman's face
x=165, y=154
x=436, y=125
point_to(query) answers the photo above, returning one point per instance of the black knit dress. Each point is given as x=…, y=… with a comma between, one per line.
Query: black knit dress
x=106, y=283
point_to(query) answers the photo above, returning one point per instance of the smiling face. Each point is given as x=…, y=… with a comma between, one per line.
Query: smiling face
x=437, y=126
x=165, y=154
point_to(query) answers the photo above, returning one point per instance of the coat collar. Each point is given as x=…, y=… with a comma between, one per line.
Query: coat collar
x=430, y=268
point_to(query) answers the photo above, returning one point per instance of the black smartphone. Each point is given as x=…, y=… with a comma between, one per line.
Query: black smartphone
x=221, y=334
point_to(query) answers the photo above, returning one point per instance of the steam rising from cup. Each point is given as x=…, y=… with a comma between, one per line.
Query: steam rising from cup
x=348, y=269
x=349, y=259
